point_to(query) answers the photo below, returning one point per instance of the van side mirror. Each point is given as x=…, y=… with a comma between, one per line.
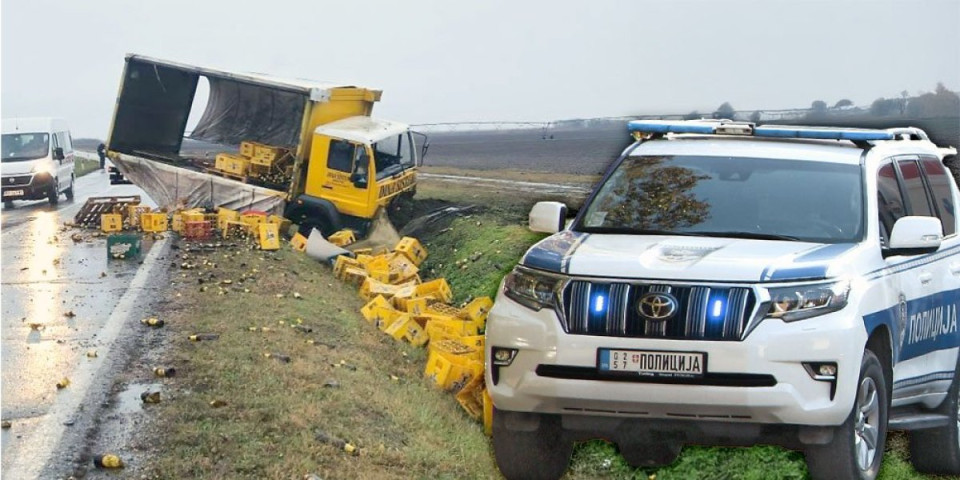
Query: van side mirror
x=548, y=217
x=914, y=235
x=58, y=154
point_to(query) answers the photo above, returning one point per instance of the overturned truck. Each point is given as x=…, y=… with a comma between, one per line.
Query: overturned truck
x=307, y=150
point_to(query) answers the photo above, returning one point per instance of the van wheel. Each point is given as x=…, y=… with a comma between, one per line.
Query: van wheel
x=69, y=191
x=857, y=446
x=53, y=196
x=937, y=450
x=539, y=454
x=650, y=455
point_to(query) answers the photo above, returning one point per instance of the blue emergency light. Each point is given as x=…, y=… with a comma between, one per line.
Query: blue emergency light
x=727, y=127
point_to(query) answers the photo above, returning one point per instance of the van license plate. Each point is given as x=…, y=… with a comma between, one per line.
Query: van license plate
x=13, y=193
x=653, y=363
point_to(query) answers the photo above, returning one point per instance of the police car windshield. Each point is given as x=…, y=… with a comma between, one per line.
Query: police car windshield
x=737, y=197
x=18, y=147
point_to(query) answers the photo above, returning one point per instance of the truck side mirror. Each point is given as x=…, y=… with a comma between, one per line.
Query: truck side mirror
x=359, y=180
x=58, y=154
x=914, y=235
x=424, y=145
x=548, y=217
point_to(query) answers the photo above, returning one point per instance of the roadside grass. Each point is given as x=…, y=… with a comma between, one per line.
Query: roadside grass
x=84, y=166
x=403, y=428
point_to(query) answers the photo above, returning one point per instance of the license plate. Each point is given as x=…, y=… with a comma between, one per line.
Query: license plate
x=653, y=363
x=13, y=193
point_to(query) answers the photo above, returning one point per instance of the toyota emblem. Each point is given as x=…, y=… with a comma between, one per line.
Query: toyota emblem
x=657, y=306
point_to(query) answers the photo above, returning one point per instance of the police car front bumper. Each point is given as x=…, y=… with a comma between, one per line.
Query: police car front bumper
x=761, y=379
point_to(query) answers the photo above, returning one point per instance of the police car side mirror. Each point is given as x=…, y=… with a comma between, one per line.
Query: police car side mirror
x=914, y=235
x=547, y=217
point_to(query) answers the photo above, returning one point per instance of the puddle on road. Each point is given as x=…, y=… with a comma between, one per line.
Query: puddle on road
x=128, y=401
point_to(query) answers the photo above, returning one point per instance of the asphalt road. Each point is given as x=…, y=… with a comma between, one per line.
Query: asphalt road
x=70, y=290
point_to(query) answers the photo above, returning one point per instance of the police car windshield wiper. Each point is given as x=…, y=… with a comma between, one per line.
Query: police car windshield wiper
x=752, y=235
x=637, y=231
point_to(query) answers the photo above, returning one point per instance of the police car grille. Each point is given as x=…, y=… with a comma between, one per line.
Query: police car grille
x=703, y=312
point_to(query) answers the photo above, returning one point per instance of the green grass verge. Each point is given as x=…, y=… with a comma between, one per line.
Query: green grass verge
x=83, y=166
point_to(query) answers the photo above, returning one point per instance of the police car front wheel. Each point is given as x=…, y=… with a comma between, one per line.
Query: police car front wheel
x=937, y=450
x=857, y=446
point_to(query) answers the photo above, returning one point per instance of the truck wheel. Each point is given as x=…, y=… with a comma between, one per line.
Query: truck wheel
x=650, y=455
x=53, y=196
x=540, y=454
x=937, y=450
x=69, y=191
x=857, y=446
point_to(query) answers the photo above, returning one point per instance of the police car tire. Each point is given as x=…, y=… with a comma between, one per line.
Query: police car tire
x=651, y=455
x=937, y=450
x=541, y=454
x=838, y=459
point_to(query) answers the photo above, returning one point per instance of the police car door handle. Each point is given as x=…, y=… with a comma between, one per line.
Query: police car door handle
x=925, y=277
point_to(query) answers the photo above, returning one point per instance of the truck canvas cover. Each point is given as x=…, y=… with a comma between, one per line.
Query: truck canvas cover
x=150, y=120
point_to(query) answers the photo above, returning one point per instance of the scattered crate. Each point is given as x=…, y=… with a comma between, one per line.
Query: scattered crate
x=89, y=214
x=111, y=222
x=123, y=246
x=202, y=230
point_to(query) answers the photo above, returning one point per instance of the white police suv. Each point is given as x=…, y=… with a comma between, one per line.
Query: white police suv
x=733, y=284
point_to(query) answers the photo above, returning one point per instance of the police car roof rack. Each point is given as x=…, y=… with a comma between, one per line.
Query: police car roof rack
x=651, y=129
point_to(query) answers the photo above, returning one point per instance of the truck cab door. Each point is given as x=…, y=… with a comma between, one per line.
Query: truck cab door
x=338, y=172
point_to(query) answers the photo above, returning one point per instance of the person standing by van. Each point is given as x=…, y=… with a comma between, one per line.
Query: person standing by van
x=102, y=152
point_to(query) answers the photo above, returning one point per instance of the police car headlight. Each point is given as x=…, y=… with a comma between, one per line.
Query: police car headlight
x=804, y=301
x=533, y=289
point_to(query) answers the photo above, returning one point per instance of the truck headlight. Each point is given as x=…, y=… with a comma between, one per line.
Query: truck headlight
x=533, y=289
x=797, y=302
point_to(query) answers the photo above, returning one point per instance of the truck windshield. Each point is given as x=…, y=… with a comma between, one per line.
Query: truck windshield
x=392, y=155
x=735, y=197
x=18, y=147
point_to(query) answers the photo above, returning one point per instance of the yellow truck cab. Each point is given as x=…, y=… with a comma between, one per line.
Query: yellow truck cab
x=369, y=162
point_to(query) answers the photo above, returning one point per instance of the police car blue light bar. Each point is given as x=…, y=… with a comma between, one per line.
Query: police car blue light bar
x=727, y=127
x=822, y=133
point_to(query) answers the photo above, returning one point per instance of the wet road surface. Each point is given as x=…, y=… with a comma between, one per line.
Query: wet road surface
x=57, y=296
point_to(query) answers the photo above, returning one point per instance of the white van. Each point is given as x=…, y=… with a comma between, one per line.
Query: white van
x=37, y=160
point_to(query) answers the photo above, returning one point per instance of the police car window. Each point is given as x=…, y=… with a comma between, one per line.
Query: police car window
x=939, y=181
x=914, y=188
x=889, y=199
x=341, y=156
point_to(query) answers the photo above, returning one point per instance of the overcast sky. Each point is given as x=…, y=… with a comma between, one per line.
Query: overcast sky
x=445, y=61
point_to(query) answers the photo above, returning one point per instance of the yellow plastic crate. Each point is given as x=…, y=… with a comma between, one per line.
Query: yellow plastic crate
x=298, y=242
x=153, y=222
x=248, y=148
x=474, y=341
x=416, y=334
x=371, y=311
x=253, y=219
x=235, y=229
x=372, y=288
x=343, y=262
x=111, y=222
x=342, y=238
x=450, y=372
x=415, y=306
x=225, y=215
x=470, y=397
x=438, y=308
x=437, y=289
x=281, y=222
x=478, y=309
x=176, y=222
x=399, y=327
x=412, y=249
x=233, y=164
x=269, y=236
x=192, y=216
x=134, y=212
x=354, y=276
x=266, y=155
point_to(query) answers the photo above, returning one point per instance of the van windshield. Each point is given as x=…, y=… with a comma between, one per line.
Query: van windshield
x=19, y=147
x=734, y=197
